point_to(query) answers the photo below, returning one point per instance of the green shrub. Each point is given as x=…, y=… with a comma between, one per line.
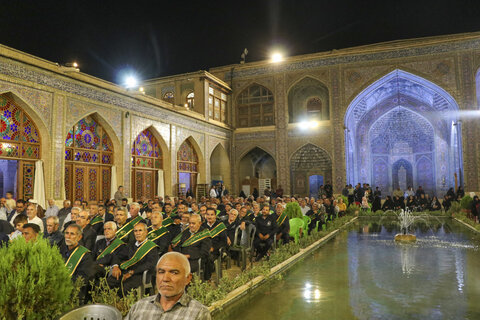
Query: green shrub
x=466, y=202
x=34, y=283
x=454, y=208
x=103, y=294
x=353, y=209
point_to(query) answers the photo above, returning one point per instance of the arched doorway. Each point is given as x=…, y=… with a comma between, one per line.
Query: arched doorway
x=308, y=161
x=220, y=166
x=187, y=168
x=146, y=161
x=403, y=130
x=257, y=169
x=88, y=161
x=19, y=149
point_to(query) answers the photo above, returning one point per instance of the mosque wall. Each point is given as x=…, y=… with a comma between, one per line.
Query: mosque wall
x=450, y=62
x=56, y=98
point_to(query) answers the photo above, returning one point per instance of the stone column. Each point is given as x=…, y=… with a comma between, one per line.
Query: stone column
x=281, y=133
x=469, y=145
x=338, y=139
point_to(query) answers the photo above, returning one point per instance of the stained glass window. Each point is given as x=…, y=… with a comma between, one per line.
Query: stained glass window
x=187, y=159
x=255, y=107
x=88, y=142
x=146, y=152
x=19, y=137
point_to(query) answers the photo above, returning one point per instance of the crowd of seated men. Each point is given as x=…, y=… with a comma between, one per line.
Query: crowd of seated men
x=120, y=240
x=413, y=200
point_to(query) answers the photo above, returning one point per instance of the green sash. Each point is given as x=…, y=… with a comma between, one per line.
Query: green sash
x=281, y=218
x=217, y=230
x=96, y=219
x=155, y=234
x=126, y=229
x=75, y=258
x=218, y=212
x=168, y=221
x=196, y=237
x=139, y=254
x=111, y=248
x=177, y=239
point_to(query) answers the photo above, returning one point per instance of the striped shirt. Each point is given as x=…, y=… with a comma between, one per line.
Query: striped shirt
x=185, y=308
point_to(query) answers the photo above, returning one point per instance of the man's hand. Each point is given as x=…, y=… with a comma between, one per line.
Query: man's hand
x=228, y=241
x=242, y=226
x=116, y=272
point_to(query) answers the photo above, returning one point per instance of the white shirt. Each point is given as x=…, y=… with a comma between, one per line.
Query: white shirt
x=51, y=211
x=37, y=221
x=304, y=209
x=213, y=193
x=3, y=213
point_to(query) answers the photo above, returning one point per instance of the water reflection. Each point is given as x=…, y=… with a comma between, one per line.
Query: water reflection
x=364, y=274
x=311, y=293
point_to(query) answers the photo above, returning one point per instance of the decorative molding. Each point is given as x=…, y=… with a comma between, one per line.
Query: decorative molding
x=40, y=101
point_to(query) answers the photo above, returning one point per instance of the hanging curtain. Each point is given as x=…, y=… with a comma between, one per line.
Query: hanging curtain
x=113, y=182
x=39, y=184
x=160, y=184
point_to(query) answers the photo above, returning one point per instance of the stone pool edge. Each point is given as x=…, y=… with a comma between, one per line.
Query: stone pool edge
x=466, y=225
x=241, y=291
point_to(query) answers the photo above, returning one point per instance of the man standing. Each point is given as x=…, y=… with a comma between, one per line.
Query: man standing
x=172, y=302
x=53, y=234
x=283, y=223
x=218, y=235
x=64, y=212
x=119, y=195
x=52, y=209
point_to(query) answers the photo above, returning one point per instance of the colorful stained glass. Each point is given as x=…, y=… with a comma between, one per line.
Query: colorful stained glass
x=92, y=184
x=17, y=128
x=106, y=181
x=28, y=177
x=187, y=158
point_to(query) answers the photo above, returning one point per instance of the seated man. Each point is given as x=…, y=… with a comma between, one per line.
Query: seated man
x=173, y=275
x=89, y=236
x=218, y=235
x=194, y=242
x=96, y=220
x=109, y=250
x=78, y=259
x=18, y=222
x=142, y=256
x=53, y=234
x=158, y=233
x=30, y=232
x=32, y=216
x=283, y=224
x=266, y=225
x=124, y=226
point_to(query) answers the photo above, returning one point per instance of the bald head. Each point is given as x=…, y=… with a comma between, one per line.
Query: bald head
x=176, y=257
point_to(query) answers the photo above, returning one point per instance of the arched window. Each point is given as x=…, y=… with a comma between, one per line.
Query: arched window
x=88, y=161
x=190, y=100
x=255, y=107
x=146, y=160
x=168, y=96
x=19, y=147
x=314, y=108
x=187, y=167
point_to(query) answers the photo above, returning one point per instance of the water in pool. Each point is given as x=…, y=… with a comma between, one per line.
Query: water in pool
x=364, y=274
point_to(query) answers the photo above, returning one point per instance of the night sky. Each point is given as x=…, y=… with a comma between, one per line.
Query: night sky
x=159, y=38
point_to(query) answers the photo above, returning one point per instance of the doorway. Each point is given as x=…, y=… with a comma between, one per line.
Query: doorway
x=315, y=182
x=8, y=177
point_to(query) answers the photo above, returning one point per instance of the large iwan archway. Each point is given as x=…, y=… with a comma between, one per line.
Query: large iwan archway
x=403, y=131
